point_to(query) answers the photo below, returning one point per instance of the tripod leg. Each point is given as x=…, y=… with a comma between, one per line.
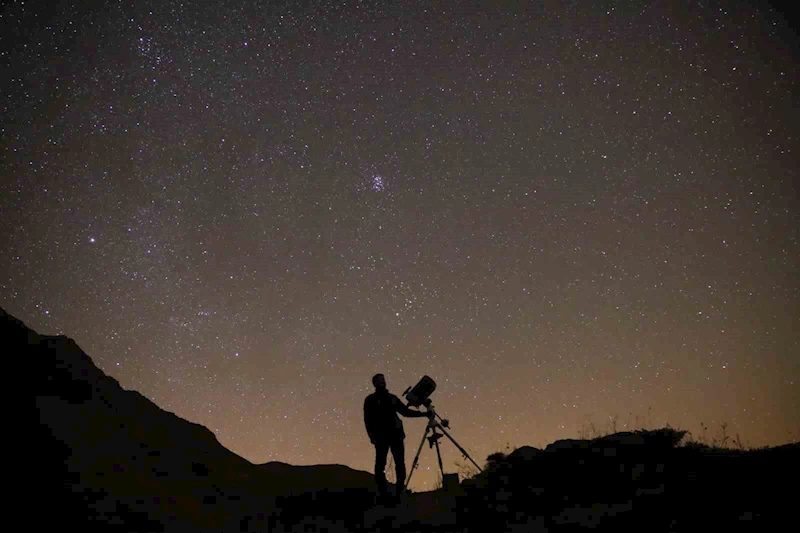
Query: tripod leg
x=416, y=457
x=462, y=450
x=439, y=455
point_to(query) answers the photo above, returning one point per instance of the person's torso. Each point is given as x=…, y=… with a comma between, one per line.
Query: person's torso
x=384, y=413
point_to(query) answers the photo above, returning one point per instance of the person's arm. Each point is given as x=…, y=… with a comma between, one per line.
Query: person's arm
x=404, y=410
x=368, y=419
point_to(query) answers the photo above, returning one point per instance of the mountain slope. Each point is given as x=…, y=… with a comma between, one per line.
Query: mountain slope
x=297, y=479
x=106, y=455
x=106, y=458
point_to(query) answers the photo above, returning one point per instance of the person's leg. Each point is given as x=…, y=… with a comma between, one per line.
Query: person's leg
x=399, y=454
x=381, y=449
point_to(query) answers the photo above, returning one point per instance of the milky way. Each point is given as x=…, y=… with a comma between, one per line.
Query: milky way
x=569, y=214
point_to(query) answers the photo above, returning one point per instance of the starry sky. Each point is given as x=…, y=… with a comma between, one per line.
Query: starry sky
x=566, y=213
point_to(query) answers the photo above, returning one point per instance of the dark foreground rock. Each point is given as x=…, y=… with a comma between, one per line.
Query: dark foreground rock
x=641, y=479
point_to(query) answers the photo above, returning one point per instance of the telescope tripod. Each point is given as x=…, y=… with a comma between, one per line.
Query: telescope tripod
x=433, y=439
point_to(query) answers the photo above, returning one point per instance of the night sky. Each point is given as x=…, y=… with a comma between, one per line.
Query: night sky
x=562, y=212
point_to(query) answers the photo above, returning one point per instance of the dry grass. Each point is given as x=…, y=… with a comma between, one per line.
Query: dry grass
x=721, y=439
x=467, y=470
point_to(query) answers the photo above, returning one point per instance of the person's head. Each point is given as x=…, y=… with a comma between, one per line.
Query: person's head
x=379, y=381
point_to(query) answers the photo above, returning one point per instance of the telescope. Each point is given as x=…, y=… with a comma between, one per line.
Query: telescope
x=417, y=396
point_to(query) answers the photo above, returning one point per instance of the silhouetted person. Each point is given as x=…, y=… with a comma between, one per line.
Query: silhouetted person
x=385, y=430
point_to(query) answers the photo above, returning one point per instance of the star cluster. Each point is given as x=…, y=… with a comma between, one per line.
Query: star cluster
x=567, y=213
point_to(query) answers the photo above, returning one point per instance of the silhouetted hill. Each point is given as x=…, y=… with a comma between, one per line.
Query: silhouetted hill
x=109, y=457
x=641, y=479
x=105, y=458
x=297, y=479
